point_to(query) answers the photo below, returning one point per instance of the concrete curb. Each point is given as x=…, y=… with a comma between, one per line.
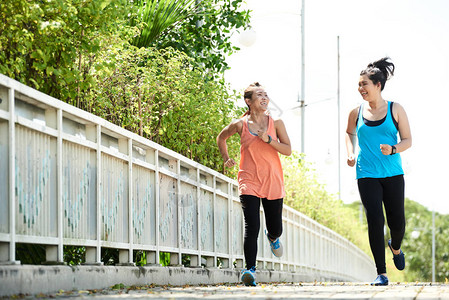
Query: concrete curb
x=30, y=279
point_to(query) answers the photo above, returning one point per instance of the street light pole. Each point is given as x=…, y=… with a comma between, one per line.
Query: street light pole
x=338, y=117
x=303, y=76
x=433, y=245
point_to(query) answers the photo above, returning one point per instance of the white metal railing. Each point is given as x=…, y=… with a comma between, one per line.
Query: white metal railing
x=68, y=177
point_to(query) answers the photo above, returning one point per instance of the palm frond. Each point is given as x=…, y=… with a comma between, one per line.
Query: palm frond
x=161, y=15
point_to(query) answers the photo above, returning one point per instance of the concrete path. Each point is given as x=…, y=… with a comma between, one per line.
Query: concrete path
x=412, y=291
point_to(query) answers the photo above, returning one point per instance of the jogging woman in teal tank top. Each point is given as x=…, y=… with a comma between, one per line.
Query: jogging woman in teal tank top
x=380, y=178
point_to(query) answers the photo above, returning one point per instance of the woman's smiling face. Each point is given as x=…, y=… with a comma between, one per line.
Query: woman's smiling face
x=367, y=88
x=259, y=99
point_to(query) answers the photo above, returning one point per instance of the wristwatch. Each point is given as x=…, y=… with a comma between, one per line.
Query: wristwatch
x=269, y=139
x=393, y=150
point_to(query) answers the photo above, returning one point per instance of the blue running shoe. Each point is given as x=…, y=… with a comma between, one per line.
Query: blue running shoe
x=276, y=246
x=399, y=259
x=380, y=280
x=249, y=277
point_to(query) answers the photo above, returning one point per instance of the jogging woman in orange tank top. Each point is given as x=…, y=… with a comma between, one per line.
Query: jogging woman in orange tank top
x=260, y=173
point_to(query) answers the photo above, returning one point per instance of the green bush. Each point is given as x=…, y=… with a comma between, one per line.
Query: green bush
x=160, y=96
x=418, y=245
x=51, y=45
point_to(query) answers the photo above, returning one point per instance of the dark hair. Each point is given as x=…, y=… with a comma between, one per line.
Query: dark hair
x=379, y=71
x=248, y=93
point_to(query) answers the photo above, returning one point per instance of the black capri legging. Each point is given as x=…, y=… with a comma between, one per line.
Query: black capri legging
x=251, y=212
x=390, y=191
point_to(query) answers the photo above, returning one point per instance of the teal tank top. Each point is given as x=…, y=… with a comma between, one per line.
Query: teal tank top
x=371, y=163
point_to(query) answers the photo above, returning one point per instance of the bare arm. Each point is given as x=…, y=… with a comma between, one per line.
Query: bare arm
x=350, y=136
x=227, y=132
x=282, y=144
x=404, y=131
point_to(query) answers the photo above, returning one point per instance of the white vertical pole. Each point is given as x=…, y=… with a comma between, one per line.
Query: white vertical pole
x=338, y=118
x=303, y=76
x=99, y=194
x=157, y=196
x=130, y=202
x=433, y=245
x=60, y=257
x=12, y=177
x=198, y=201
x=178, y=205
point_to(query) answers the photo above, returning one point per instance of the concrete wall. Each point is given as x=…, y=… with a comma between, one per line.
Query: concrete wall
x=31, y=280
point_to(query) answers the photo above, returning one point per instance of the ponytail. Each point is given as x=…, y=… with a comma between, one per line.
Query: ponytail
x=379, y=71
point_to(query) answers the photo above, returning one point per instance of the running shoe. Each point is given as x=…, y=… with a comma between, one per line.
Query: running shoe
x=380, y=280
x=276, y=246
x=399, y=259
x=249, y=277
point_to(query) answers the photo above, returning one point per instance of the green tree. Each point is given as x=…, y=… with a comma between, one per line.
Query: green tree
x=205, y=35
x=157, y=17
x=161, y=96
x=51, y=45
x=417, y=244
x=78, y=51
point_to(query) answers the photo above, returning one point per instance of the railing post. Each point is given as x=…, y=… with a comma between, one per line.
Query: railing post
x=130, y=202
x=99, y=194
x=214, y=201
x=239, y=264
x=12, y=183
x=178, y=257
x=58, y=255
x=198, y=211
x=157, y=200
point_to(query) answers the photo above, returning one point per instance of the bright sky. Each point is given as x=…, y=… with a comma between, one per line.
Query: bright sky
x=414, y=33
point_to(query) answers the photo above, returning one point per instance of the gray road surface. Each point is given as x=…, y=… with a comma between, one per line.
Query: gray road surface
x=409, y=291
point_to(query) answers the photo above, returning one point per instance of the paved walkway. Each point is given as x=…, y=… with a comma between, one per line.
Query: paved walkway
x=412, y=291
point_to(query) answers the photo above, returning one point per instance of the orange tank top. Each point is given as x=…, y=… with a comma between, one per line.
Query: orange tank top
x=260, y=173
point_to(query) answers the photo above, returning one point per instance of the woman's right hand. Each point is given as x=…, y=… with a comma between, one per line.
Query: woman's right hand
x=230, y=163
x=351, y=160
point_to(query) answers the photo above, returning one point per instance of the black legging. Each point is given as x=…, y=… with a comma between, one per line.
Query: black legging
x=390, y=191
x=273, y=221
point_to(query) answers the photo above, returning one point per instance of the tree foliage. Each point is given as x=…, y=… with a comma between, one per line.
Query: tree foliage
x=157, y=17
x=205, y=35
x=51, y=45
x=417, y=244
x=80, y=52
x=161, y=96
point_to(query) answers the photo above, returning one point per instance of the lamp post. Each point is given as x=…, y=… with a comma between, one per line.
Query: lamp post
x=303, y=76
x=433, y=245
x=338, y=118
